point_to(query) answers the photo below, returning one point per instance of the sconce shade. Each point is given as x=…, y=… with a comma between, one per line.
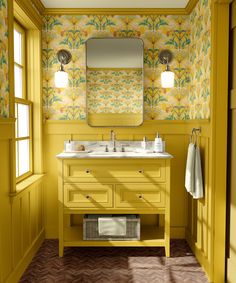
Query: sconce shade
x=167, y=79
x=61, y=79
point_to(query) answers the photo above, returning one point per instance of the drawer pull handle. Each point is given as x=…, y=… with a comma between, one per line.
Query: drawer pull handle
x=88, y=171
x=141, y=171
x=140, y=196
x=87, y=197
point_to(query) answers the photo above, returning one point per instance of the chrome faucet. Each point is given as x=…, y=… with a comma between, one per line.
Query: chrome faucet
x=113, y=140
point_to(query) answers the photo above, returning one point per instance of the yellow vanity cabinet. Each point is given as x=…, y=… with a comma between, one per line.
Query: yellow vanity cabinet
x=114, y=186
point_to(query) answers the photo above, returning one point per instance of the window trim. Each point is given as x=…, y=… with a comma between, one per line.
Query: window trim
x=24, y=100
x=30, y=138
x=18, y=27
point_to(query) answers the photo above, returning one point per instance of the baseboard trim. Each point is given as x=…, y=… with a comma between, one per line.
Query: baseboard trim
x=27, y=258
x=202, y=259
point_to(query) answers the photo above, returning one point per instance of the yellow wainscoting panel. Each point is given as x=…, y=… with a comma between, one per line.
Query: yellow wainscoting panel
x=27, y=227
x=5, y=211
x=199, y=229
x=21, y=215
x=189, y=218
x=175, y=133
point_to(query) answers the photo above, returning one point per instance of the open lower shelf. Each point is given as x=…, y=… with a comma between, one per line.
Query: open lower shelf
x=151, y=236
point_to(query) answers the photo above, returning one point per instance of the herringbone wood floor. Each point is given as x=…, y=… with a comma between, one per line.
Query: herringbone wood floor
x=114, y=265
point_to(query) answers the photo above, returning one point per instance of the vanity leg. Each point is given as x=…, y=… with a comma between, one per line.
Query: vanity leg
x=167, y=249
x=61, y=249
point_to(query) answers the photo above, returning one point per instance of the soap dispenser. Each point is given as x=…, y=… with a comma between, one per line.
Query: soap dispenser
x=144, y=143
x=158, y=146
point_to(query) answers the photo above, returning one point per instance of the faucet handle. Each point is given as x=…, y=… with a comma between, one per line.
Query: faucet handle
x=106, y=147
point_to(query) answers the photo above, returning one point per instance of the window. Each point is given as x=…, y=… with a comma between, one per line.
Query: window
x=23, y=107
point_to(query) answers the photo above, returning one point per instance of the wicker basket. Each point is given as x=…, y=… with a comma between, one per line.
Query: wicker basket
x=90, y=228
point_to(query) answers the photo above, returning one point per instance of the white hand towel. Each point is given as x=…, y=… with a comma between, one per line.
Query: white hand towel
x=189, y=174
x=112, y=226
x=198, y=184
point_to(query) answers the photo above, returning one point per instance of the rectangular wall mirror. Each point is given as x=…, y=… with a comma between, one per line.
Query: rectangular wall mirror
x=114, y=75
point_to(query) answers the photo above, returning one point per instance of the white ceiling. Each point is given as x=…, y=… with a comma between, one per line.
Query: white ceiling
x=115, y=3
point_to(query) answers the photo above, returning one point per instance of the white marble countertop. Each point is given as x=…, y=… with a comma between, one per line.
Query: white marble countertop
x=96, y=154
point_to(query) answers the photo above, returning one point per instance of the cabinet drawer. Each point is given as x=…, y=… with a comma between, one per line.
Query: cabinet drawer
x=140, y=195
x=88, y=195
x=144, y=169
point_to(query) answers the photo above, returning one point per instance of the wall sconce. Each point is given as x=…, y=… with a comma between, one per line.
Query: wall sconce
x=61, y=76
x=167, y=77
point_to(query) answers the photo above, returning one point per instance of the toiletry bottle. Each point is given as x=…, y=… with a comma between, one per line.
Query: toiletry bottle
x=158, y=144
x=68, y=146
x=144, y=143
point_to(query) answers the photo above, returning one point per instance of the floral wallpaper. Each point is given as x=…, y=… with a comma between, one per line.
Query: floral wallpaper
x=114, y=90
x=188, y=37
x=157, y=31
x=4, y=84
x=200, y=59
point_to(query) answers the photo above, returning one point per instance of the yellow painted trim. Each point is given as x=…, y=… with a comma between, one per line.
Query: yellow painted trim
x=26, y=14
x=114, y=11
x=7, y=129
x=223, y=1
x=117, y=11
x=22, y=186
x=190, y=6
x=218, y=143
x=39, y=5
x=233, y=99
x=4, y=121
x=233, y=15
x=163, y=126
x=34, y=94
x=199, y=255
x=114, y=69
x=10, y=17
x=25, y=261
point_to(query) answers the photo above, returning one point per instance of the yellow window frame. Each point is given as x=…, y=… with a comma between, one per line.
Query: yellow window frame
x=29, y=137
x=23, y=64
x=25, y=101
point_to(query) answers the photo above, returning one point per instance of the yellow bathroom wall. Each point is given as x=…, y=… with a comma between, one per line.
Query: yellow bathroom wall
x=169, y=112
x=199, y=230
x=4, y=84
x=21, y=214
x=175, y=133
x=21, y=206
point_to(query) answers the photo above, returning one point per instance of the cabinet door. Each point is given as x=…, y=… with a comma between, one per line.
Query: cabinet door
x=88, y=195
x=141, y=195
